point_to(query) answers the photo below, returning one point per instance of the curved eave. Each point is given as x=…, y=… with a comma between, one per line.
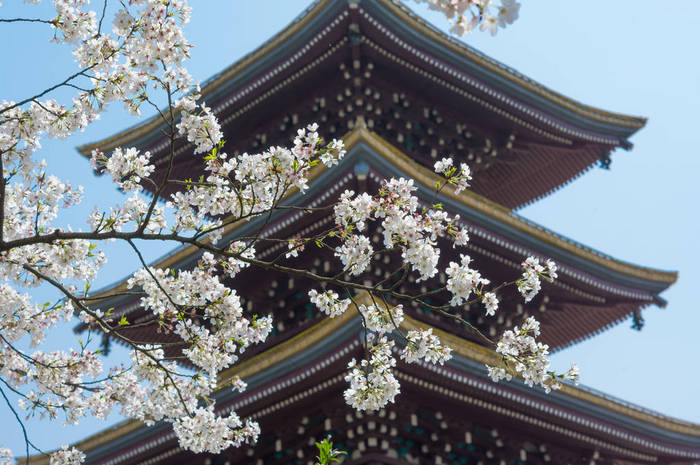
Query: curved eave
x=415, y=30
x=365, y=145
x=324, y=338
x=500, y=217
x=502, y=76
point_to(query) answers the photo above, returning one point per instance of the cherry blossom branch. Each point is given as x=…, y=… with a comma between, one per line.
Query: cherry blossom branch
x=104, y=326
x=271, y=265
x=82, y=72
x=26, y=20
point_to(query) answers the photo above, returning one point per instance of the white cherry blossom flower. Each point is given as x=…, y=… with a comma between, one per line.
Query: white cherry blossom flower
x=67, y=456
x=443, y=165
x=329, y=302
x=423, y=344
x=529, y=284
x=355, y=253
x=382, y=320
x=463, y=280
x=490, y=302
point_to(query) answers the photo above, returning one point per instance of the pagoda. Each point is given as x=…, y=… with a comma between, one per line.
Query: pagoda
x=401, y=94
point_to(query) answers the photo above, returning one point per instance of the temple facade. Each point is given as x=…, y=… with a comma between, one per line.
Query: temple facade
x=402, y=94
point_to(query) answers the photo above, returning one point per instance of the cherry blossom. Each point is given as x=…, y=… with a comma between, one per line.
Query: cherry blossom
x=423, y=344
x=201, y=128
x=463, y=280
x=205, y=431
x=67, y=456
x=529, y=284
x=372, y=383
x=328, y=302
x=466, y=15
x=381, y=319
x=127, y=167
x=490, y=302
x=523, y=355
x=355, y=253
x=443, y=166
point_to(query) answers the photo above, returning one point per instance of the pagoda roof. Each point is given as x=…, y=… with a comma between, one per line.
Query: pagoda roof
x=593, y=292
x=338, y=53
x=285, y=381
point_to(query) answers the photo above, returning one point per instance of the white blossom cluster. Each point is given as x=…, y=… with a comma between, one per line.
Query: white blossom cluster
x=146, y=46
x=458, y=177
x=247, y=185
x=382, y=320
x=490, y=301
x=466, y=15
x=201, y=128
x=423, y=344
x=244, y=186
x=232, y=266
x=329, y=302
x=372, y=383
x=529, y=284
x=355, y=253
x=194, y=305
x=463, y=280
x=205, y=431
x=523, y=355
x=414, y=230
x=127, y=167
x=405, y=226
x=215, y=335
x=132, y=211
x=67, y=456
x=146, y=36
x=30, y=206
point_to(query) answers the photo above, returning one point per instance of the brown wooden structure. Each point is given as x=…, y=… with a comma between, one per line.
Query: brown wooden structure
x=401, y=94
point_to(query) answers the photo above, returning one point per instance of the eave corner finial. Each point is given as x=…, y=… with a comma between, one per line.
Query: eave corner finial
x=360, y=122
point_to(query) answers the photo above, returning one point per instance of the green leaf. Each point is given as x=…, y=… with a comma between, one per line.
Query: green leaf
x=326, y=453
x=123, y=321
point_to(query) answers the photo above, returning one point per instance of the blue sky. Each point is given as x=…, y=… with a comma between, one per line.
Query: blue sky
x=628, y=56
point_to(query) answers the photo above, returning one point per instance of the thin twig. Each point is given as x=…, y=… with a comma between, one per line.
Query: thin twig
x=26, y=20
x=27, y=442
